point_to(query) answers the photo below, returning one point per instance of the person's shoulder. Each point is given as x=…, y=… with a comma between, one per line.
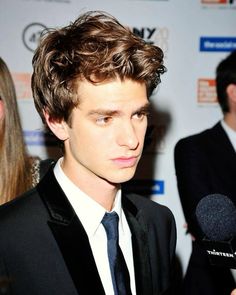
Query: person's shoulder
x=196, y=139
x=150, y=207
x=21, y=219
x=156, y=216
x=21, y=206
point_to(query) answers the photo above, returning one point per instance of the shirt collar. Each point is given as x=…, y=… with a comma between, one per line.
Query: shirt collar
x=89, y=211
x=230, y=132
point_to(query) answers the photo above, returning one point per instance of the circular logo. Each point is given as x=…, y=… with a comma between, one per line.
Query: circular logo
x=32, y=34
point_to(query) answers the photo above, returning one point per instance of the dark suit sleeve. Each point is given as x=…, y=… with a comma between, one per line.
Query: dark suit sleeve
x=192, y=173
x=5, y=280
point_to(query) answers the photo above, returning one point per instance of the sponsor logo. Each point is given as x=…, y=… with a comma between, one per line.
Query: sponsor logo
x=218, y=4
x=39, y=138
x=216, y=253
x=153, y=35
x=145, y=186
x=22, y=83
x=222, y=44
x=206, y=92
x=32, y=34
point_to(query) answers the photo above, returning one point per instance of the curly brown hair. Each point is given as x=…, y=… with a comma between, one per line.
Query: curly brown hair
x=95, y=47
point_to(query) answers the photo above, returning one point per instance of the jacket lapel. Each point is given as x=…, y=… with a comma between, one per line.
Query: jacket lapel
x=225, y=147
x=143, y=277
x=70, y=237
x=220, y=148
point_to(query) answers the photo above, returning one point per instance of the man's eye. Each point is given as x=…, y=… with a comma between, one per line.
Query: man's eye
x=140, y=115
x=103, y=120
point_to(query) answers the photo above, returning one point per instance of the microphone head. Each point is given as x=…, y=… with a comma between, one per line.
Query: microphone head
x=216, y=215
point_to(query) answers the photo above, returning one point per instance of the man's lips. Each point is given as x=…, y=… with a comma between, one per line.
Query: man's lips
x=125, y=161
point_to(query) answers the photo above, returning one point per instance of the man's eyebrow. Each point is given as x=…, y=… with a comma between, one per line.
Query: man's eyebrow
x=104, y=112
x=108, y=112
x=144, y=108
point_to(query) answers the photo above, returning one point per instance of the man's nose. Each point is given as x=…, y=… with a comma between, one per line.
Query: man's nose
x=128, y=136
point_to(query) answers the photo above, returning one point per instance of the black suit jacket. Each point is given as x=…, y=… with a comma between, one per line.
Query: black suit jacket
x=44, y=249
x=205, y=163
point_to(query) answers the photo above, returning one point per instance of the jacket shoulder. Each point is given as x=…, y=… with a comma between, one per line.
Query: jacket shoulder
x=151, y=210
x=25, y=208
x=198, y=137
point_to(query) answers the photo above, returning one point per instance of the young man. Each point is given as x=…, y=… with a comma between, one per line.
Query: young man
x=206, y=164
x=91, y=86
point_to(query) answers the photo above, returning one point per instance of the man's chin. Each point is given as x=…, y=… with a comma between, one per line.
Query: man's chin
x=119, y=179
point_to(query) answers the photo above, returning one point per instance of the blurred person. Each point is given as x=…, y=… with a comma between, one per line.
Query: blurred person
x=18, y=171
x=205, y=164
x=91, y=85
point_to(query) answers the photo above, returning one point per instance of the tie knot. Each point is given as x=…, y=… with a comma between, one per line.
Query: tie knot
x=110, y=222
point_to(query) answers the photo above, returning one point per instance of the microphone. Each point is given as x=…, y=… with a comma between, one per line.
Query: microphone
x=216, y=216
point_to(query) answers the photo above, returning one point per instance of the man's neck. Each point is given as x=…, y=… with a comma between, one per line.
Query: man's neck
x=230, y=120
x=100, y=190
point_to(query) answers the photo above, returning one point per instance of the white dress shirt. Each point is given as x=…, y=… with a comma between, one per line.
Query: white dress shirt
x=90, y=214
x=230, y=132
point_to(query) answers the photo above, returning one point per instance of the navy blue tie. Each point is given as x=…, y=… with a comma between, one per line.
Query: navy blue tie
x=118, y=267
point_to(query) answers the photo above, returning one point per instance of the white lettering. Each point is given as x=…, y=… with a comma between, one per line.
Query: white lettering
x=224, y=254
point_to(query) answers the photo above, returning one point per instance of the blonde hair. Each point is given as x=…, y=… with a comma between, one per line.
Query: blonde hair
x=15, y=164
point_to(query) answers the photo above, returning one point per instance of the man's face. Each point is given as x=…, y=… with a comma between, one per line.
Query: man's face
x=106, y=136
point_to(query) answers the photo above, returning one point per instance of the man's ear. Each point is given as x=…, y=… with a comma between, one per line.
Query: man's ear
x=58, y=128
x=2, y=110
x=231, y=92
